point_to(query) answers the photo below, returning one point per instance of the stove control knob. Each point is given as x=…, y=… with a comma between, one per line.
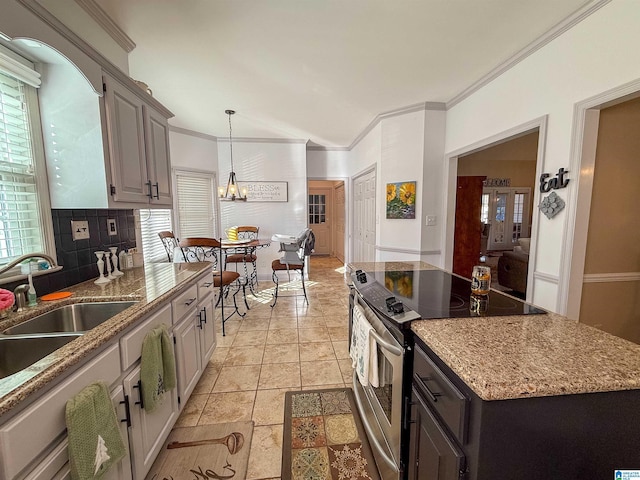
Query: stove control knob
x=389, y=302
x=362, y=277
x=397, y=307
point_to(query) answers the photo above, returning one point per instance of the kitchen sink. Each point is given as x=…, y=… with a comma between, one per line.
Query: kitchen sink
x=78, y=317
x=18, y=353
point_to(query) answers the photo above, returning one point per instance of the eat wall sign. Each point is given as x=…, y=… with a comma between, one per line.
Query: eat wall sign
x=557, y=181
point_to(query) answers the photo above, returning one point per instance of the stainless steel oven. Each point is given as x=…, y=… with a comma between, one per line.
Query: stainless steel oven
x=381, y=407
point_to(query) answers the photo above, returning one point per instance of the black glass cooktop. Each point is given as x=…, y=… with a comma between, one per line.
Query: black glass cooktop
x=433, y=294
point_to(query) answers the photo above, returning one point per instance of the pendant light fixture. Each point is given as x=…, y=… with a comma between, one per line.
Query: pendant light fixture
x=232, y=192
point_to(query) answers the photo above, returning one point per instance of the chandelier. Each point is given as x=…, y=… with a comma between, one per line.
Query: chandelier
x=232, y=192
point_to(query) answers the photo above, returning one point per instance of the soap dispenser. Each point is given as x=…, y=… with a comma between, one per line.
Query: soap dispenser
x=31, y=293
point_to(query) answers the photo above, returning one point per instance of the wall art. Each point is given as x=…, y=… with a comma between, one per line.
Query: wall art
x=551, y=205
x=265, y=191
x=401, y=200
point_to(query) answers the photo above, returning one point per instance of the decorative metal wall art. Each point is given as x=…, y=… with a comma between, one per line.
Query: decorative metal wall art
x=497, y=182
x=558, y=181
x=551, y=205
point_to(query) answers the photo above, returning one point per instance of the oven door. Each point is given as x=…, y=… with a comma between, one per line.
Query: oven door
x=381, y=407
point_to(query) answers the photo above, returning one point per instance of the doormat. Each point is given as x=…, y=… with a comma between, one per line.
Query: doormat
x=207, y=451
x=324, y=438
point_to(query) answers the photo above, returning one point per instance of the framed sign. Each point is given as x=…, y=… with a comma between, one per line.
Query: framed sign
x=265, y=191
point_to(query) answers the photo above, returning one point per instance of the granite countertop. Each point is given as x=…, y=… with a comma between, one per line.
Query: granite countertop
x=503, y=358
x=150, y=285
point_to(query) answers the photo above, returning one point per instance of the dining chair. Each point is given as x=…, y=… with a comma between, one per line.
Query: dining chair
x=169, y=242
x=203, y=249
x=245, y=255
x=293, y=260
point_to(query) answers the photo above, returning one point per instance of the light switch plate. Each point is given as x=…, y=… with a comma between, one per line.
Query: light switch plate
x=431, y=220
x=111, y=226
x=79, y=229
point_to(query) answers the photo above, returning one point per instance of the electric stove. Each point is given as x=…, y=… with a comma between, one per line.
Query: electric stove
x=402, y=296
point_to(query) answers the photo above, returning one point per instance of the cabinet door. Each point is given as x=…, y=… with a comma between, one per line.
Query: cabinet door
x=207, y=329
x=188, y=356
x=125, y=129
x=148, y=431
x=433, y=455
x=156, y=138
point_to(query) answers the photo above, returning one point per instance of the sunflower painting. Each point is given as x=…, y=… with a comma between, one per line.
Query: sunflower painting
x=400, y=283
x=401, y=200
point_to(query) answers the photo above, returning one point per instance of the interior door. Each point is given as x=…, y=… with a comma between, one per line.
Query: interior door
x=468, y=226
x=364, y=217
x=339, y=198
x=320, y=211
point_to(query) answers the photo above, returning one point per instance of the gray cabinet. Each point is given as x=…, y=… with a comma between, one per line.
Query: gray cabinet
x=138, y=144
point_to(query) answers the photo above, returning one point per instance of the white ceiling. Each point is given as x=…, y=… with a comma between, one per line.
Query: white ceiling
x=320, y=70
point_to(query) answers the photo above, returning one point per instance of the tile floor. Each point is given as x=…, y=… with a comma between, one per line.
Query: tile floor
x=293, y=346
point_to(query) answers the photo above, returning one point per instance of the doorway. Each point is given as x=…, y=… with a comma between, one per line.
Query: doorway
x=364, y=217
x=504, y=175
x=326, y=216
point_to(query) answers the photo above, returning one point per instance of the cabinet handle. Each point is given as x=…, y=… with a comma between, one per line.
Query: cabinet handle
x=148, y=184
x=432, y=395
x=207, y=285
x=127, y=411
x=157, y=187
x=203, y=313
x=139, y=387
x=191, y=300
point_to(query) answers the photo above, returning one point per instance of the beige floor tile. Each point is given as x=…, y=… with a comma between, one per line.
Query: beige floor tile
x=310, y=310
x=237, y=378
x=311, y=352
x=254, y=323
x=325, y=372
x=284, y=322
x=342, y=349
x=311, y=322
x=255, y=337
x=284, y=353
x=217, y=359
x=323, y=387
x=192, y=410
x=285, y=335
x=247, y=355
x=279, y=375
x=338, y=333
x=346, y=369
x=269, y=406
x=313, y=335
x=226, y=341
x=227, y=407
x=207, y=380
x=266, y=452
x=332, y=320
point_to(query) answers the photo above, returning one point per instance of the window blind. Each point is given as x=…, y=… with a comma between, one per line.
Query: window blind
x=20, y=223
x=196, y=214
x=153, y=221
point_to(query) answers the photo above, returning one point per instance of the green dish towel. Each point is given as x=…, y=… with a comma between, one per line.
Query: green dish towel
x=157, y=367
x=95, y=443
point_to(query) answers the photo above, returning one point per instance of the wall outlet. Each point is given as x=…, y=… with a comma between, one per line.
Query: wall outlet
x=79, y=229
x=431, y=220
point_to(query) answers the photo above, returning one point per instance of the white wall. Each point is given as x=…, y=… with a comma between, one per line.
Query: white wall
x=193, y=150
x=596, y=55
x=266, y=161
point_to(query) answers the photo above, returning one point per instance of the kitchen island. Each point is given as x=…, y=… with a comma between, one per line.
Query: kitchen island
x=534, y=396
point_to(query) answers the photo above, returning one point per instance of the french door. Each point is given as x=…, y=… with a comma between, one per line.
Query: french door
x=507, y=211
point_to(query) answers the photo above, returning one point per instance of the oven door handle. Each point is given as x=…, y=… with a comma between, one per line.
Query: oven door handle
x=393, y=349
x=370, y=435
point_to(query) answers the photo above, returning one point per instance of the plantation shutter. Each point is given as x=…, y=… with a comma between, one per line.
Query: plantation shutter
x=153, y=221
x=20, y=222
x=196, y=214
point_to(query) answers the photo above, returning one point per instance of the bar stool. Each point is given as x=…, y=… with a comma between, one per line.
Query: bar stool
x=169, y=242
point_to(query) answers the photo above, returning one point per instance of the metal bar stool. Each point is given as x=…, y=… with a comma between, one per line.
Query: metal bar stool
x=245, y=255
x=295, y=249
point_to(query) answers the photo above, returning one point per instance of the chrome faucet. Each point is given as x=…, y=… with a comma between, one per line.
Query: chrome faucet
x=10, y=265
x=20, y=293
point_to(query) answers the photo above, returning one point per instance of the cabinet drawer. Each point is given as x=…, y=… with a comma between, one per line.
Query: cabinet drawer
x=131, y=343
x=441, y=394
x=184, y=302
x=25, y=437
x=205, y=286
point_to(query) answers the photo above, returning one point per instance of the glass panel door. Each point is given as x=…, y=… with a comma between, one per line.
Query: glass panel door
x=317, y=209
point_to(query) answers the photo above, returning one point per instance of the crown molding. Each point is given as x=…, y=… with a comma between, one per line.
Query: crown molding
x=530, y=49
x=192, y=133
x=108, y=25
x=263, y=140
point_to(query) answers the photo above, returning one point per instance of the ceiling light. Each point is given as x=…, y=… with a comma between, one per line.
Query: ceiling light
x=232, y=193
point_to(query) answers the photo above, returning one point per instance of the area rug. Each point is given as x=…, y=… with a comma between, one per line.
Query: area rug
x=324, y=438
x=207, y=451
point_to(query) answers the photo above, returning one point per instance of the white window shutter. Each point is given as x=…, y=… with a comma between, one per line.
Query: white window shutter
x=153, y=221
x=195, y=204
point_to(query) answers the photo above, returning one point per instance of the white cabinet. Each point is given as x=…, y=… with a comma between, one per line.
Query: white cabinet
x=138, y=141
x=148, y=430
x=188, y=356
x=206, y=316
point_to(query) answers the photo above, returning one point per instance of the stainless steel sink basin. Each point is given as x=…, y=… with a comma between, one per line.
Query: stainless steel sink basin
x=78, y=317
x=18, y=353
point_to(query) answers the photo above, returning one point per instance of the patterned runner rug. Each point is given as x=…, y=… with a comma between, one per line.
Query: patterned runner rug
x=208, y=451
x=324, y=438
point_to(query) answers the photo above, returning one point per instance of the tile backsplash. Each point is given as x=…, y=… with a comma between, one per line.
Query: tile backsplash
x=77, y=256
